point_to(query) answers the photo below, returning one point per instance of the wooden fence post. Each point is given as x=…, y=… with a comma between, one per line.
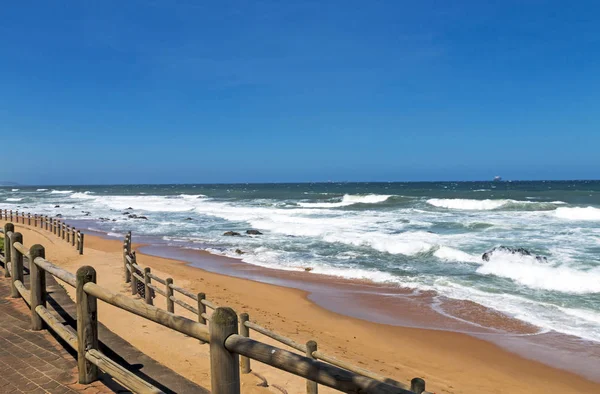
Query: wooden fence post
x=311, y=387
x=28, y=219
x=54, y=226
x=169, y=291
x=8, y=227
x=16, y=264
x=35, y=220
x=245, y=332
x=417, y=385
x=37, y=285
x=80, y=242
x=133, y=278
x=11, y=217
x=68, y=233
x=201, y=308
x=147, y=289
x=62, y=231
x=224, y=365
x=72, y=236
x=87, y=325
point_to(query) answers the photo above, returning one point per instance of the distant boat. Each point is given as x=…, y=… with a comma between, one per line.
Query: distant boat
x=497, y=179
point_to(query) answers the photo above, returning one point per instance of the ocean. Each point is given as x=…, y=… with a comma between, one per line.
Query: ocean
x=422, y=236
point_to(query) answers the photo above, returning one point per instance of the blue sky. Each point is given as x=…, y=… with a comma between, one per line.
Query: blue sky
x=267, y=91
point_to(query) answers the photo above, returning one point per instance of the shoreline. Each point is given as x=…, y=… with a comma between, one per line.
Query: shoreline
x=450, y=362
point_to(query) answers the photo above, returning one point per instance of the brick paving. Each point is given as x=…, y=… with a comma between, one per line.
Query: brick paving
x=33, y=361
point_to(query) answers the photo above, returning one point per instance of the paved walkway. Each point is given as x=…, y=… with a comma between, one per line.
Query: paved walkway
x=33, y=361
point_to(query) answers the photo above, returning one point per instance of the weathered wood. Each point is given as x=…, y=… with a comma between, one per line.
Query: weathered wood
x=169, y=294
x=311, y=386
x=58, y=228
x=8, y=228
x=120, y=374
x=157, y=289
x=68, y=234
x=65, y=332
x=224, y=364
x=126, y=273
x=201, y=308
x=361, y=371
x=58, y=272
x=322, y=373
x=35, y=220
x=63, y=230
x=209, y=304
x=156, y=278
x=22, y=291
x=185, y=292
x=245, y=332
x=29, y=219
x=21, y=248
x=138, y=277
x=37, y=284
x=286, y=341
x=87, y=324
x=417, y=385
x=184, y=305
x=16, y=264
x=81, y=244
x=160, y=316
x=133, y=274
x=54, y=226
x=73, y=236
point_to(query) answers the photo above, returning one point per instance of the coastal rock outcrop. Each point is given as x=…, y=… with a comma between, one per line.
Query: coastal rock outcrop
x=232, y=234
x=239, y=251
x=253, y=232
x=518, y=251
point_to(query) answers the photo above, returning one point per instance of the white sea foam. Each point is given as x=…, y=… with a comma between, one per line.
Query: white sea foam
x=42, y=190
x=450, y=254
x=489, y=205
x=589, y=213
x=15, y=190
x=528, y=271
x=13, y=199
x=61, y=191
x=467, y=204
x=408, y=243
x=348, y=200
x=84, y=195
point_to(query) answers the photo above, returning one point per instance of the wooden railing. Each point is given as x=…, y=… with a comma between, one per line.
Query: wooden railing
x=141, y=284
x=62, y=230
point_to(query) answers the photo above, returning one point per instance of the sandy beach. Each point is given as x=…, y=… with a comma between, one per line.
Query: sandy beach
x=450, y=362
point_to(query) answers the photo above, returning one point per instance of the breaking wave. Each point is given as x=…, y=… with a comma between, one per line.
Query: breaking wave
x=489, y=205
x=347, y=200
x=589, y=213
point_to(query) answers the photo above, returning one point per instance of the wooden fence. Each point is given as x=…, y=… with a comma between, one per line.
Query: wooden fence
x=68, y=233
x=141, y=284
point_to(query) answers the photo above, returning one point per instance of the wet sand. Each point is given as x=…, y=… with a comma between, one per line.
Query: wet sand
x=375, y=327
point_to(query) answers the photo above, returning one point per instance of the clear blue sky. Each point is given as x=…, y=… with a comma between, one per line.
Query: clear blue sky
x=253, y=91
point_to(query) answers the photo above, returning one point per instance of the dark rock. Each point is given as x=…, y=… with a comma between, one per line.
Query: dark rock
x=239, y=251
x=132, y=216
x=128, y=209
x=231, y=234
x=126, y=213
x=253, y=232
x=57, y=206
x=142, y=217
x=308, y=269
x=520, y=251
x=59, y=216
x=188, y=219
x=114, y=220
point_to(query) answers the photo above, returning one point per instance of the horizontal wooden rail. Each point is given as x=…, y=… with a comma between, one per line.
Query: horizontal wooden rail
x=138, y=277
x=157, y=289
x=184, y=292
x=120, y=374
x=350, y=367
x=184, y=305
x=317, y=371
x=287, y=341
x=66, y=333
x=156, y=278
x=58, y=272
x=19, y=246
x=157, y=315
x=26, y=294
